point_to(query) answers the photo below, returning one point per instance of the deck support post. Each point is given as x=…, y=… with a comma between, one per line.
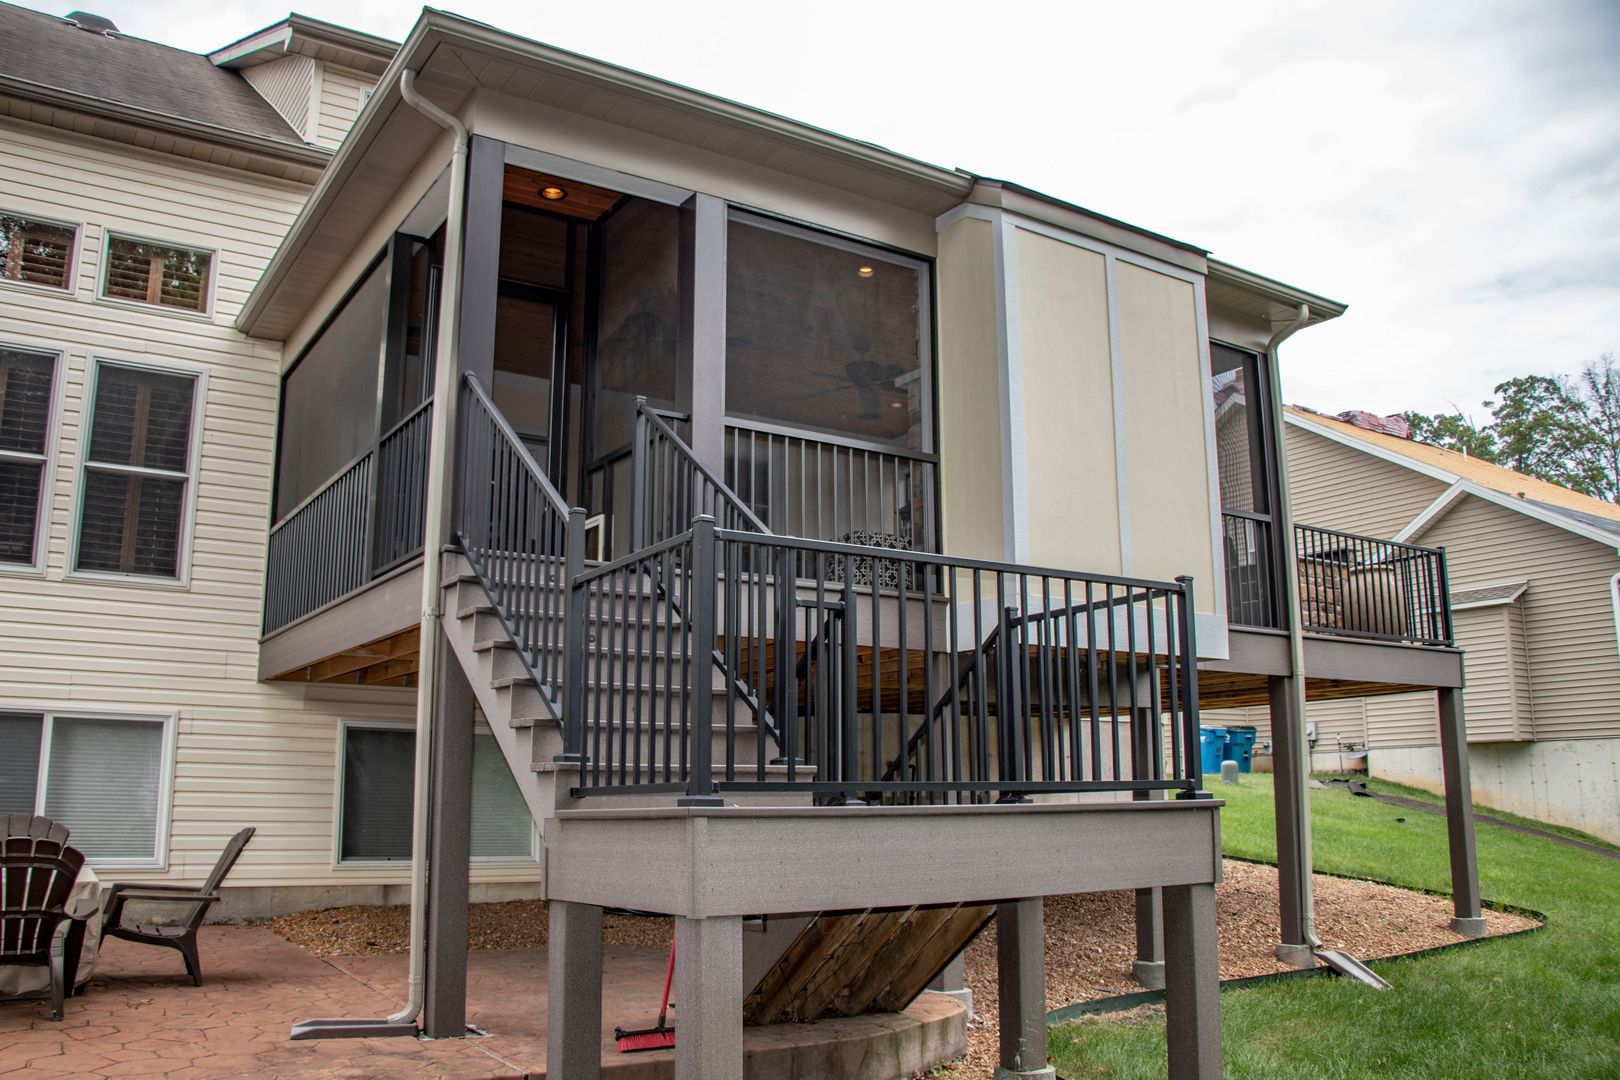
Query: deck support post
x=1021, y=987
x=1192, y=983
x=1148, y=967
x=444, y=1013
x=1290, y=772
x=709, y=996
x=1459, y=814
x=952, y=982
x=574, y=992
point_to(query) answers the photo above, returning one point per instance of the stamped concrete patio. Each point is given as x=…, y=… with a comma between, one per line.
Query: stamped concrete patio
x=141, y=1017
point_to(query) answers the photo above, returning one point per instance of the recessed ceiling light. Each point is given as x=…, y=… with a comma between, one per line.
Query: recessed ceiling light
x=897, y=404
x=866, y=271
x=553, y=193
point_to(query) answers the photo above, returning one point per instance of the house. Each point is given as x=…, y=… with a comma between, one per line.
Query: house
x=796, y=512
x=1532, y=574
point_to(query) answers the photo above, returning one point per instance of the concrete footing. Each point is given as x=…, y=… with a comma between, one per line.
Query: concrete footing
x=1471, y=928
x=1299, y=956
x=1149, y=974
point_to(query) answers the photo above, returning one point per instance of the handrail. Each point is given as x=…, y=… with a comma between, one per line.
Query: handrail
x=558, y=503
x=1361, y=586
x=849, y=442
x=649, y=419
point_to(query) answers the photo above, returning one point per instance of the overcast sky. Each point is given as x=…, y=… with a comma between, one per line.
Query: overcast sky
x=1450, y=170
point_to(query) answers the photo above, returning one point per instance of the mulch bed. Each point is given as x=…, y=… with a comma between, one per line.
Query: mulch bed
x=1090, y=938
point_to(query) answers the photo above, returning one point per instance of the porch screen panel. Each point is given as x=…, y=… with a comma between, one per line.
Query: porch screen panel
x=329, y=398
x=638, y=314
x=19, y=761
x=824, y=334
x=104, y=780
x=1237, y=441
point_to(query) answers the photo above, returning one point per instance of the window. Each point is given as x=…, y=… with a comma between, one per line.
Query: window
x=26, y=382
x=378, y=774
x=137, y=472
x=105, y=778
x=37, y=252
x=147, y=273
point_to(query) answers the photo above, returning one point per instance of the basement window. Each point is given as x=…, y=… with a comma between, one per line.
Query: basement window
x=107, y=778
x=27, y=380
x=378, y=775
x=163, y=275
x=36, y=252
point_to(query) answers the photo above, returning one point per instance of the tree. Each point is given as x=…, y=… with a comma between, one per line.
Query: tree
x=1454, y=431
x=1600, y=386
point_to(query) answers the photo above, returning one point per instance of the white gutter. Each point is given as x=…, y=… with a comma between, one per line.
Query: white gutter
x=434, y=535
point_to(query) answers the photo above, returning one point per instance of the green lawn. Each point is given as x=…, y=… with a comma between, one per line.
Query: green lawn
x=1542, y=1005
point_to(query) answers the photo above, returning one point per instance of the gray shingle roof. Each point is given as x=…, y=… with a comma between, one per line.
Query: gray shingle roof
x=1489, y=594
x=44, y=49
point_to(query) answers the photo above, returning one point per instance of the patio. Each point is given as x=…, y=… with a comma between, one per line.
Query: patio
x=140, y=1017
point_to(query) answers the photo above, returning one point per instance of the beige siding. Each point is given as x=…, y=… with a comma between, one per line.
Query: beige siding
x=246, y=753
x=289, y=85
x=1338, y=487
x=1067, y=397
x=1165, y=442
x=1403, y=720
x=969, y=394
x=342, y=91
x=1572, y=659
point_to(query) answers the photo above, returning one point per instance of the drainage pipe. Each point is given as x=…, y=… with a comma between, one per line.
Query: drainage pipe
x=1296, y=636
x=434, y=536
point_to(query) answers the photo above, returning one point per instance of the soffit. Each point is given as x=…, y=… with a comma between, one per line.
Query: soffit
x=1243, y=292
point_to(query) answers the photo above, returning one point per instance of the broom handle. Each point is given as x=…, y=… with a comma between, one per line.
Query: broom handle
x=669, y=978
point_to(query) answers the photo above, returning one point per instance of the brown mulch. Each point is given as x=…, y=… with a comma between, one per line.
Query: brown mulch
x=1091, y=941
x=1090, y=938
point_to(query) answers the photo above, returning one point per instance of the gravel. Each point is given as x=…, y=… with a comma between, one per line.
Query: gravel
x=1090, y=938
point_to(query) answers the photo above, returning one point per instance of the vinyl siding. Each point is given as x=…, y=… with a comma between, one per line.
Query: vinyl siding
x=247, y=753
x=288, y=84
x=342, y=92
x=1572, y=662
x=1338, y=487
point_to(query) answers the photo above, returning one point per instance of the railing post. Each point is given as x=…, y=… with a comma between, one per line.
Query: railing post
x=700, y=731
x=638, y=479
x=1192, y=754
x=1444, y=599
x=1010, y=706
x=576, y=638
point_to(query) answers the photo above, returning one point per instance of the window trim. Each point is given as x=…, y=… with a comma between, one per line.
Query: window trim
x=53, y=435
x=166, y=767
x=338, y=862
x=108, y=235
x=188, y=510
x=75, y=250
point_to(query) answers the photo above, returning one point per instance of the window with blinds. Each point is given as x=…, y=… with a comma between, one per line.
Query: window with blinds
x=147, y=273
x=26, y=382
x=378, y=776
x=137, y=471
x=102, y=777
x=38, y=252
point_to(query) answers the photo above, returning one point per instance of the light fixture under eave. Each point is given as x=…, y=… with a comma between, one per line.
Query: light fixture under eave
x=553, y=193
x=866, y=270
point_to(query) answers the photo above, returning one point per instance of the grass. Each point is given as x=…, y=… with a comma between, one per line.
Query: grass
x=1542, y=1005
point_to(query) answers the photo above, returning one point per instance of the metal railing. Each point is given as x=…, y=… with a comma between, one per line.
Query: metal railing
x=400, y=501
x=968, y=681
x=1360, y=586
x=1251, y=571
x=317, y=552
x=670, y=486
x=824, y=487
x=520, y=538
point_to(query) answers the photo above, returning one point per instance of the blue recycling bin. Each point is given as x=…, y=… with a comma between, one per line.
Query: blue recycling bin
x=1212, y=747
x=1240, y=747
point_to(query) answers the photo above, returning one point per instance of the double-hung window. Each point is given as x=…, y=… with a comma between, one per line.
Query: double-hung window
x=36, y=252
x=138, y=471
x=105, y=777
x=165, y=275
x=27, y=382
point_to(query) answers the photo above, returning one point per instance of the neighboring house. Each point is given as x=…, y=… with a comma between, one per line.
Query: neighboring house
x=821, y=529
x=1533, y=572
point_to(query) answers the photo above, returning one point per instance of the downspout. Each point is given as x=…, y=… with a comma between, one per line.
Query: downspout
x=434, y=535
x=1296, y=636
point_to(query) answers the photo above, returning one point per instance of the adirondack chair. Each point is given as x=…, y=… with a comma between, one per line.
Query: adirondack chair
x=181, y=935
x=38, y=925
x=30, y=825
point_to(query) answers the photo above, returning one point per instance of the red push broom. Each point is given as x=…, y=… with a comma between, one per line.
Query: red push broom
x=661, y=1037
